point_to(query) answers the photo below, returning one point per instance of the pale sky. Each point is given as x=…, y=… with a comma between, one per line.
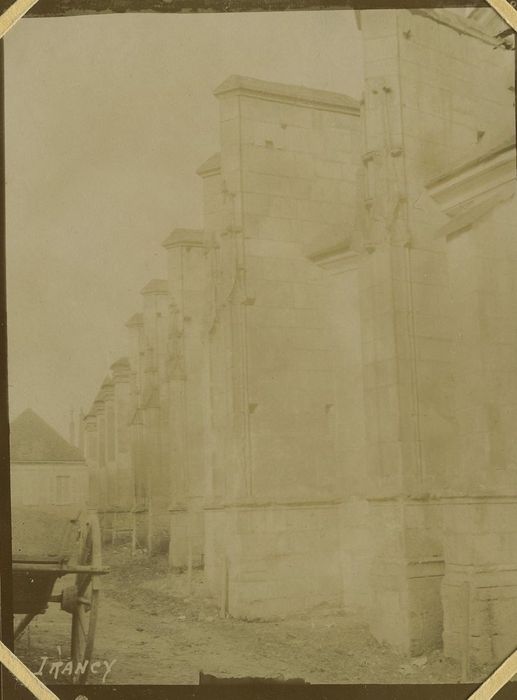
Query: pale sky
x=107, y=119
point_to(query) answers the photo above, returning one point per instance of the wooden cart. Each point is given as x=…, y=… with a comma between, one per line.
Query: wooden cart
x=34, y=579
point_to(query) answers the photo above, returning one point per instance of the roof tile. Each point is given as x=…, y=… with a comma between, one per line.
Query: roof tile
x=34, y=440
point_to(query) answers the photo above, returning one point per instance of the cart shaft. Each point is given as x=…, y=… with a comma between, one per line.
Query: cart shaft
x=62, y=569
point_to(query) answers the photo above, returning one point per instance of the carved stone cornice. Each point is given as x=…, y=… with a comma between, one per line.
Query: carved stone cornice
x=471, y=190
x=338, y=259
x=294, y=94
x=185, y=237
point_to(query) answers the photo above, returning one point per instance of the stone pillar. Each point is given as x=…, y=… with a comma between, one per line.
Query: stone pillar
x=273, y=474
x=107, y=458
x=406, y=356
x=98, y=410
x=154, y=412
x=71, y=430
x=407, y=558
x=188, y=271
x=480, y=519
x=81, y=431
x=121, y=380
x=109, y=407
x=419, y=117
x=178, y=443
x=135, y=418
x=91, y=456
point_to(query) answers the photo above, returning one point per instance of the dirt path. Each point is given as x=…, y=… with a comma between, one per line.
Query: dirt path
x=155, y=631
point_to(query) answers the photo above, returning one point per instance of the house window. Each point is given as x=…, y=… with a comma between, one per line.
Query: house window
x=63, y=490
x=31, y=489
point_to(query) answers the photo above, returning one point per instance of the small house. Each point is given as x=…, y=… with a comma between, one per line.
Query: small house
x=46, y=470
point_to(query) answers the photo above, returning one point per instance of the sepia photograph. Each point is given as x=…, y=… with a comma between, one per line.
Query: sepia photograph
x=262, y=346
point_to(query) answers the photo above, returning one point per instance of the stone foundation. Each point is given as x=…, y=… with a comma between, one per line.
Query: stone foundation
x=406, y=575
x=150, y=532
x=381, y=558
x=106, y=523
x=264, y=562
x=122, y=529
x=116, y=525
x=480, y=585
x=355, y=548
x=158, y=536
x=140, y=521
x=186, y=538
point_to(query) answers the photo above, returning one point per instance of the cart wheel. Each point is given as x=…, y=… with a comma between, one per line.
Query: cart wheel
x=84, y=615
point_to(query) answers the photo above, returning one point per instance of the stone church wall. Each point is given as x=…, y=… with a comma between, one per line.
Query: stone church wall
x=326, y=381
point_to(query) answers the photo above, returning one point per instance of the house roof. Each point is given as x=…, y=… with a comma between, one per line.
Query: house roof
x=34, y=440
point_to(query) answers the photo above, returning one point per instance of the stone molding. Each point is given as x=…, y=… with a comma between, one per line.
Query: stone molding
x=98, y=407
x=121, y=370
x=446, y=499
x=135, y=320
x=155, y=286
x=338, y=259
x=461, y=25
x=468, y=182
x=288, y=94
x=90, y=422
x=471, y=190
x=256, y=504
x=432, y=500
x=212, y=166
x=185, y=237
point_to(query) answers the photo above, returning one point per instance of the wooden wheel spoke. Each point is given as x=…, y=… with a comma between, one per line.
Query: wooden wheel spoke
x=84, y=617
x=23, y=624
x=83, y=585
x=85, y=633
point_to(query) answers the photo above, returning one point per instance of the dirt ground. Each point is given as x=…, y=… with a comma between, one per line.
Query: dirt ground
x=152, y=629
